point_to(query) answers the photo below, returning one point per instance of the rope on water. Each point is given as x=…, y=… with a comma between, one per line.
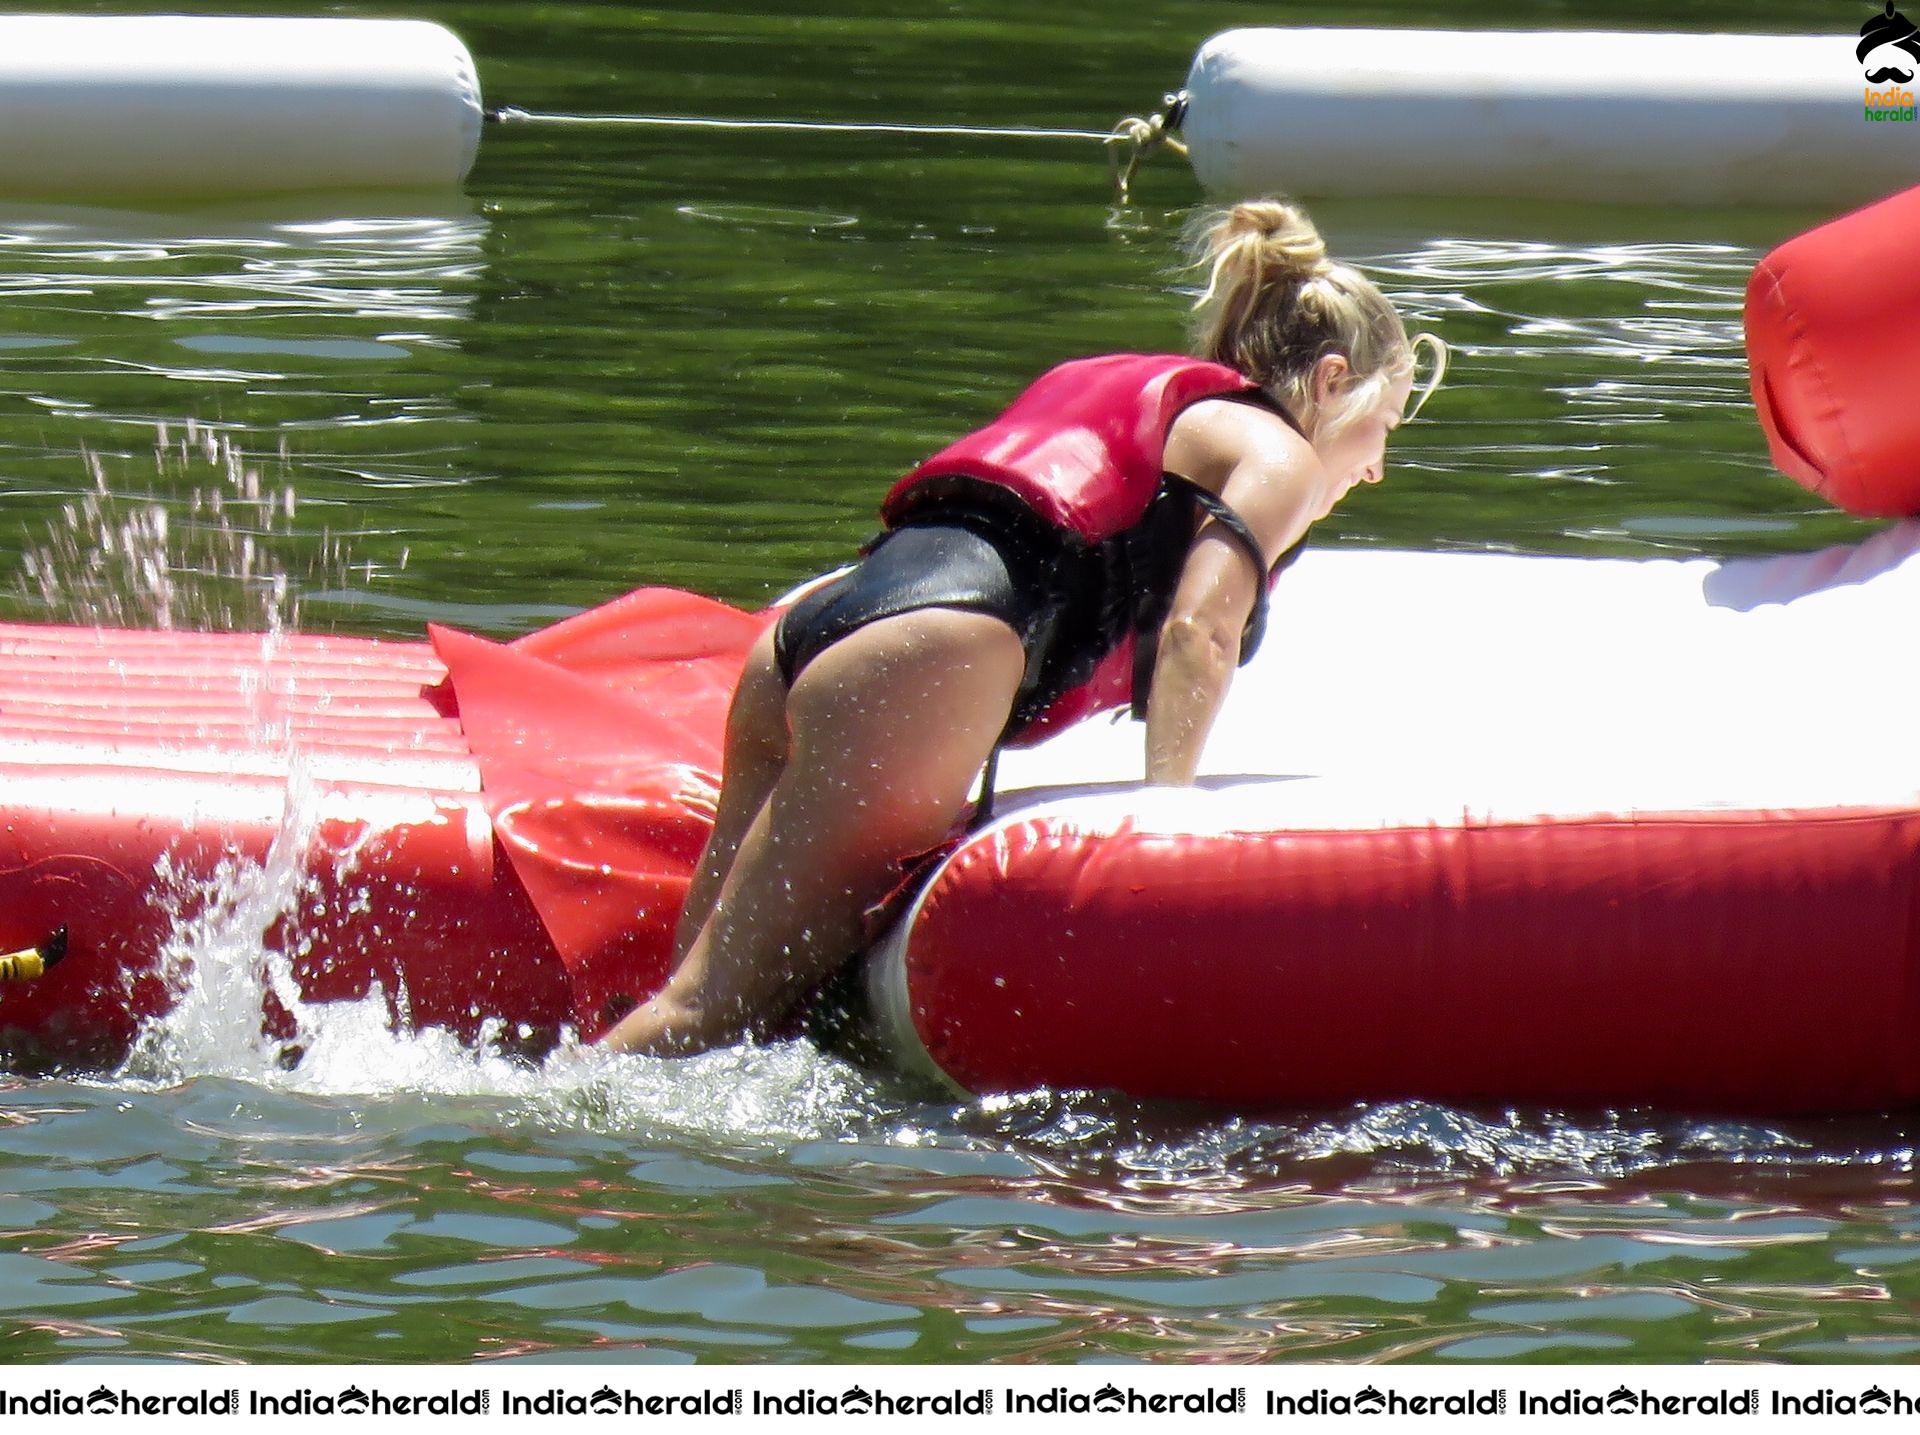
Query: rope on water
x=1143, y=135
x=509, y=115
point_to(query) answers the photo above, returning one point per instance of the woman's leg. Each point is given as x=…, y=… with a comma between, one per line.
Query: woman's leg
x=890, y=727
x=756, y=751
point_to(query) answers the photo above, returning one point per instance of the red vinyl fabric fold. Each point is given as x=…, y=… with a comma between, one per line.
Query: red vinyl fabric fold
x=599, y=745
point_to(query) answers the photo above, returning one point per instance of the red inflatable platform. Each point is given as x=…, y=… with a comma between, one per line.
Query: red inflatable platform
x=483, y=831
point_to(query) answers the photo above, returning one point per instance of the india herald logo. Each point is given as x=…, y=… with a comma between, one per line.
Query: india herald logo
x=1893, y=30
x=1889, y=46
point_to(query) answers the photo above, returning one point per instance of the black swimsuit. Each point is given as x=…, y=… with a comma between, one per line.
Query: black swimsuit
x=968, y=557
x=1069, y=602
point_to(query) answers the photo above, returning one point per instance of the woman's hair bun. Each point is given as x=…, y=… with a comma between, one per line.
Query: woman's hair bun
x=1287, y=241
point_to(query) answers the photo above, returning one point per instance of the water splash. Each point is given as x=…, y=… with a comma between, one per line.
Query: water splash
x=237, y=1008
x=230, y=975
x=239, y=1014
x=236, y=941
x=209, y=544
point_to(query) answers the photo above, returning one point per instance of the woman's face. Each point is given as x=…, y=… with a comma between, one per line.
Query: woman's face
x=1356, y=452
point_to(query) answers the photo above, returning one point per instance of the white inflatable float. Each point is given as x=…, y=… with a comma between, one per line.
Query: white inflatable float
x=191, y=106
x=1574, y=115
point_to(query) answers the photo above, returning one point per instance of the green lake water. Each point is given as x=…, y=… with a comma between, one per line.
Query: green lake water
x=627, y=357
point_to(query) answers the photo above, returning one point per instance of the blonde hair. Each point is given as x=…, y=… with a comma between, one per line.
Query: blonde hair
x=1275, y=305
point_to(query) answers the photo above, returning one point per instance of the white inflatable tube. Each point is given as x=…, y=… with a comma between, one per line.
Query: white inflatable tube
x=187, y=106
x=1616, y=117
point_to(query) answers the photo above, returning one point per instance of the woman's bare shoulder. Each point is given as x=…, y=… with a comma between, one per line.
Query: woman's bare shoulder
x=1209, y=440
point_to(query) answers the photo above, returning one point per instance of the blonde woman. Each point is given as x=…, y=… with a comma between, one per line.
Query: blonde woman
x=1109, y=540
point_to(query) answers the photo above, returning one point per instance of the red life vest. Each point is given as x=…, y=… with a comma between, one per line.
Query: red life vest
x=1084, y=448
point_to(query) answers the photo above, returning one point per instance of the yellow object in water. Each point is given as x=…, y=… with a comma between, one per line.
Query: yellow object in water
x=22, y=966
x=30, y=963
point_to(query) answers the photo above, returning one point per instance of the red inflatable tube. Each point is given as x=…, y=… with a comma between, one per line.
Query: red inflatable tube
x=1750, y=961
x=1833, y=340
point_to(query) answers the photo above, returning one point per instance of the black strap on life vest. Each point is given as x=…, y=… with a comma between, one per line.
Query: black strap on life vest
x=1146, y=648
x=1236, y=528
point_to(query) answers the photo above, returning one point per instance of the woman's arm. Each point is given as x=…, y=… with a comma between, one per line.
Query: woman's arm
x=1199, y=649
x=1200, y=640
